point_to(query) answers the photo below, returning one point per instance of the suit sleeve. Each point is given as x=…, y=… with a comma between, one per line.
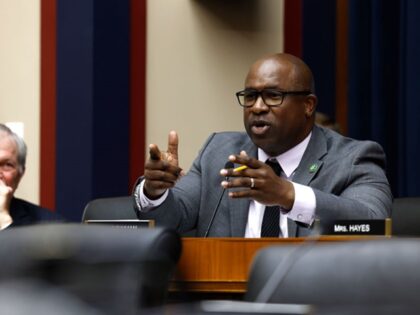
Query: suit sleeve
x=363, y=194
x=181, y=207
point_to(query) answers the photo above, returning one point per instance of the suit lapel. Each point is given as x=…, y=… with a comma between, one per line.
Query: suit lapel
x=239, y=208
x=311, y=161
x=308, y=167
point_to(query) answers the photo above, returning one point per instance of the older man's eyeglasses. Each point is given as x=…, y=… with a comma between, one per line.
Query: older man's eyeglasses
x=271, y=97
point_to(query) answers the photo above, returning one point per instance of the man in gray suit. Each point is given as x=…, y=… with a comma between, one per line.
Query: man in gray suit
x=322, y=175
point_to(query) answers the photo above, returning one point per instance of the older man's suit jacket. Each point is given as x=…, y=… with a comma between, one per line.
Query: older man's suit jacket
x=347, y=176
x=26, y=213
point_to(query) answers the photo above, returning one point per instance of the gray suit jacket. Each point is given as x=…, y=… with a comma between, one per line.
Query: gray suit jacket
x=349, y=182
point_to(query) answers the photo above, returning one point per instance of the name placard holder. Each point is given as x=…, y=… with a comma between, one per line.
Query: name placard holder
x=125, y=223
x=357, y=227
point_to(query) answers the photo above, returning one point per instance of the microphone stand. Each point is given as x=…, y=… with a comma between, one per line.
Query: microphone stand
x=228, y=164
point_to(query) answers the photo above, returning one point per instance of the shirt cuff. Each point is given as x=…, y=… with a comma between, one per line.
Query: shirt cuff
x=303, y=209
x=145, y=204
x=6, y=222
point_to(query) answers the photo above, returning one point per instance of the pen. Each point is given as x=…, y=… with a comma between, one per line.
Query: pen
x=240, y=168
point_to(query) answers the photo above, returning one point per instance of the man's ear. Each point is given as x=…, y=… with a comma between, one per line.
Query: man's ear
x=310, y=105
x=20, y=177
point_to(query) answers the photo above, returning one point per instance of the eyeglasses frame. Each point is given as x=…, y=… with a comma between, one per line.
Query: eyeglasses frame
x=259, y=94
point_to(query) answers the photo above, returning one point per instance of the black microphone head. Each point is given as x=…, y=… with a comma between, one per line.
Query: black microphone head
x=229, y=164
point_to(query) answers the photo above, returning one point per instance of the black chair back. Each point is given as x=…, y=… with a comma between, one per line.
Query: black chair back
x=354, y=272
x=114, y=269
x=114, y=208
x=406, y=216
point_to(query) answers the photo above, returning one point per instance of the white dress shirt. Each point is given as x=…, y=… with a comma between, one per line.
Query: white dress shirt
x=303, y=209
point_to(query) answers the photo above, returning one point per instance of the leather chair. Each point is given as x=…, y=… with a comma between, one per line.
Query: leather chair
x=406, y=216
x=115, y=270
x=110, y=208
x=371, y=272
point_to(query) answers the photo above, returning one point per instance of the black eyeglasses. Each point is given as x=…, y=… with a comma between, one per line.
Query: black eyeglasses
x=271, y=97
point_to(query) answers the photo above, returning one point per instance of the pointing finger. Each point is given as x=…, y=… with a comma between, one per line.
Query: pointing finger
x=173, y=144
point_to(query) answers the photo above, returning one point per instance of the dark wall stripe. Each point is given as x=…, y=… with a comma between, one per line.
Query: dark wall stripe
x=341, y=65
x=74, y=105
x=111, y=98
x=48, y=103
x=319, y=49
x=92, y=102
x=137, y=89
x=360, y=32
x=293, y=27
x=408, y=109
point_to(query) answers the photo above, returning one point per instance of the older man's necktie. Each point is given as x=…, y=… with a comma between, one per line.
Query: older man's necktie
x=271, y=221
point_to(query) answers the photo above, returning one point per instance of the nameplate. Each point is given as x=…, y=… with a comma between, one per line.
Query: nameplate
x=357, y=227
x=125, y=223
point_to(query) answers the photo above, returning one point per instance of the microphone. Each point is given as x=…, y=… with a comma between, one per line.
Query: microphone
x=228, y=164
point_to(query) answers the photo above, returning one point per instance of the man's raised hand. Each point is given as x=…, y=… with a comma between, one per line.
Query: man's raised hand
x=162, y=168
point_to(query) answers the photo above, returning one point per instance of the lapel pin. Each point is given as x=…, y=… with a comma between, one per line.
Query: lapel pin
x=313, y=168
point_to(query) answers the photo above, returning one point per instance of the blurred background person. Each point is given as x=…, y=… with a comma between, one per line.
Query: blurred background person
x=326, y=121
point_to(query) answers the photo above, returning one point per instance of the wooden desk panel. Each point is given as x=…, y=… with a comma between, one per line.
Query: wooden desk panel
x=222, y=264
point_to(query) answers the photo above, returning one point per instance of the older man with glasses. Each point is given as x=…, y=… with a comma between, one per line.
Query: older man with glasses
x=282, y=174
